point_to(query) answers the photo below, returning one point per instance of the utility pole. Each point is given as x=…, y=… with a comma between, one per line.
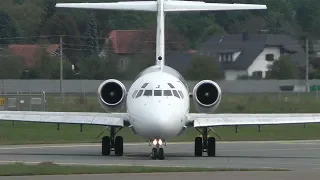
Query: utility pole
x=61, y=67
x=307, y=64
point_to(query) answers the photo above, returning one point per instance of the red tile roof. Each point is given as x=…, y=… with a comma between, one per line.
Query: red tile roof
x=31, y=53
x=122, y=40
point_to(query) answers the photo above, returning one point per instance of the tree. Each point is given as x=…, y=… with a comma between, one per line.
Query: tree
x=27, y=15
x=91, y=35
x=145, y=40
x=49, y=11
x=283, y=68
x=213, y=29
x=138, y=63
x=94, y=67
x=49, y=67
x=307, y=14
x=16, y=65
x=252, y=24
x=65, y=25
x=8, y=29
x=204, y=67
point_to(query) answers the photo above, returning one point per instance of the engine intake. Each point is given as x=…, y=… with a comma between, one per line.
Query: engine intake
x=112, y=94
x=206, y=96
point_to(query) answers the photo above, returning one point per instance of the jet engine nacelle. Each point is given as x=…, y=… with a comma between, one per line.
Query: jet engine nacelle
x=206, y=96
x=112, y=95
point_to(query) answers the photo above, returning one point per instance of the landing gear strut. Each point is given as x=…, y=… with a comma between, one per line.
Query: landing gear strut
x=204, y=144
x=112, y=143
x=157, y=152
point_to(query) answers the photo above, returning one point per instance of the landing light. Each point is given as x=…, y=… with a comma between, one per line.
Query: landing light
x=154, y=142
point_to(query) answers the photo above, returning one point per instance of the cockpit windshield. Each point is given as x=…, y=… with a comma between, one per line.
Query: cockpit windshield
x=166, y=92
x=169, y=91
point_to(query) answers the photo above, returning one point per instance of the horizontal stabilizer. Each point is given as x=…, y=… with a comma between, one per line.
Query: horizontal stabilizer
x=129, y=6
x=176, y=6
x=168, y=6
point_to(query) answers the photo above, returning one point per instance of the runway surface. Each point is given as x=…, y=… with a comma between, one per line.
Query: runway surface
x=293, y=155
x=184, y=176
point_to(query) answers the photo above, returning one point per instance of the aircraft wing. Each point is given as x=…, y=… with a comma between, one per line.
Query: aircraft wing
x=210, y=120
x=106, y=119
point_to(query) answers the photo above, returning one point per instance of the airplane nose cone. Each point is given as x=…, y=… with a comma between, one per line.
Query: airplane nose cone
x=169, y=125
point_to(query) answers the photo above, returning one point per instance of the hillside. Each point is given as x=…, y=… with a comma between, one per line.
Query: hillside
x=38, y=21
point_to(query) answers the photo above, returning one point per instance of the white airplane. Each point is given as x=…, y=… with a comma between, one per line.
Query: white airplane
x=157, y=103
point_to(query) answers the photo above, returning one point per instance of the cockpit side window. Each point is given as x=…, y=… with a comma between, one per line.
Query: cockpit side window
x=144, y=85
x=139, y=93
x=134, y=93
x=175, y=93
x=147, y=93
x=157, y=93
x=167, y=93
x=170, y=85
x=181, y=94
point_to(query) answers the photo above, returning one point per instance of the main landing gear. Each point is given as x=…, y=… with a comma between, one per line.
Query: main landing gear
x=157, y=152
x=204, y=144
x=112, y=143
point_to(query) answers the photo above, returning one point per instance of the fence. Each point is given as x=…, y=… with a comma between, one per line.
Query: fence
x=23, y=101
x=91, y=86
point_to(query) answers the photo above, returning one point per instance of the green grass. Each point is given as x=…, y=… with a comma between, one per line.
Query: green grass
x=25, y=133
x=48, y=168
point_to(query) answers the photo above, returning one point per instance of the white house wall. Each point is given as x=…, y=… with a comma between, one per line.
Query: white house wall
x=261, y=64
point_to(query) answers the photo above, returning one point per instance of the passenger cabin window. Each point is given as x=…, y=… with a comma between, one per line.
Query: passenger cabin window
x=147, y=93
x=157, y=93
x=167, y=93
x=134, y=93
x=175, y=93
x=144, y=85
x=139, y=93
x=170, y=85
x=181, y=94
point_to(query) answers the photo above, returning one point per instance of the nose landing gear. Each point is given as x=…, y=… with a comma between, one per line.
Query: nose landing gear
x=157, y=152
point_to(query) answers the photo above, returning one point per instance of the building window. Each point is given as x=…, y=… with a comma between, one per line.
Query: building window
x=226, y=57
x=270, y=57
x=257, y=74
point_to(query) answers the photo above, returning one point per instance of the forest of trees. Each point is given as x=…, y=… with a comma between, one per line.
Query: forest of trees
x=85, y=31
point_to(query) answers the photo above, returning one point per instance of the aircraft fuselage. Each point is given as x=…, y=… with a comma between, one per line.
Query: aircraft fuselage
x=158, y=103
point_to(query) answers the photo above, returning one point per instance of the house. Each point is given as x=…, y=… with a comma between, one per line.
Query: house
x=31, y=53
x=316, y=48
x=124, y=44
x=251, y=54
